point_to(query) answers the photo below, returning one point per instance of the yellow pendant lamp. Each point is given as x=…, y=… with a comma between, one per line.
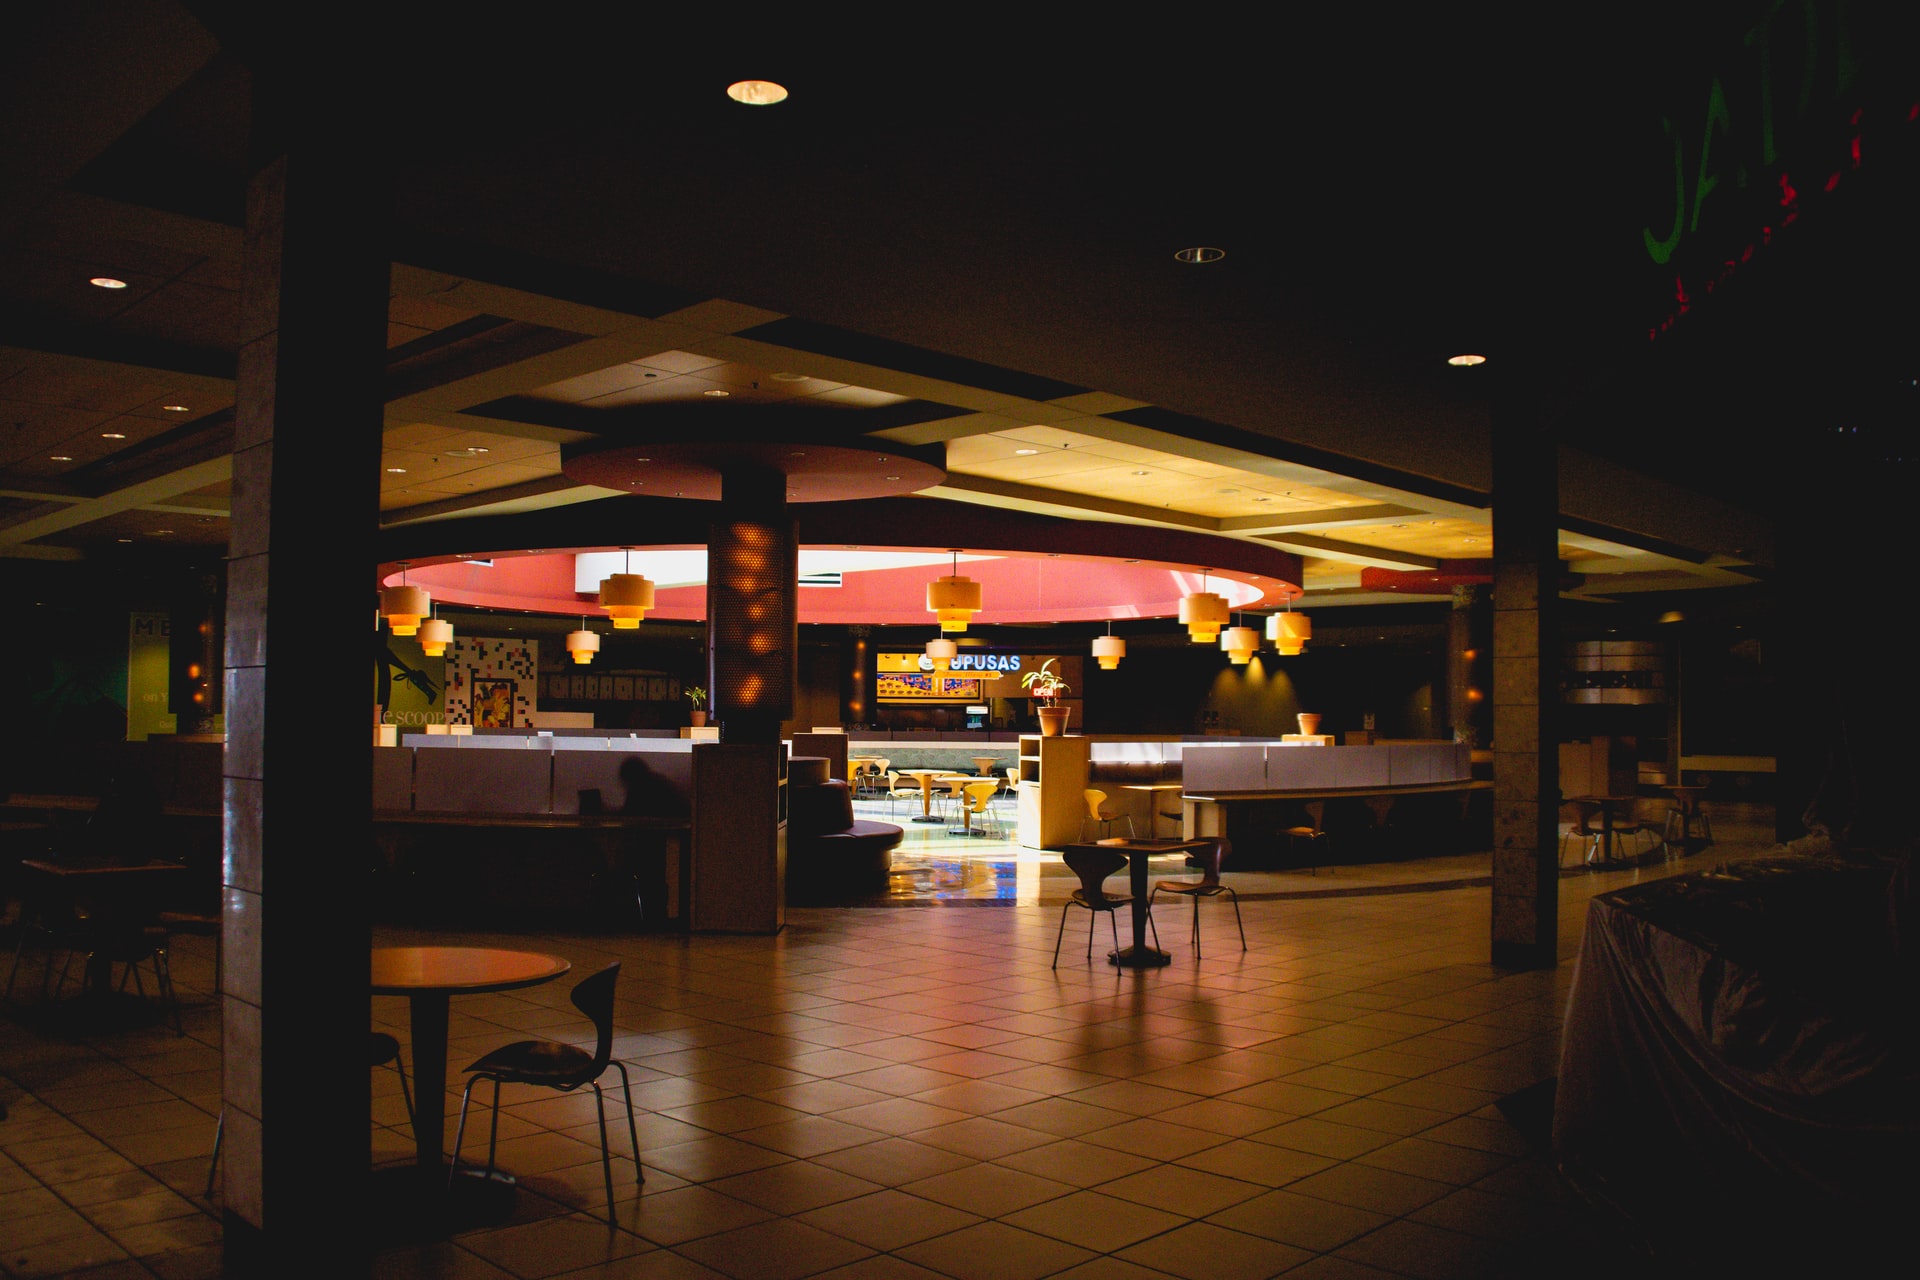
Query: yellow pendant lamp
x=942, y=651
x=626, y=596
x=1203, y=613
x=1109, y=649
x=953, y=599
x=405, y=605
x=1289, y=631
x=435, y=635
x=583, y=644
x=1240, y=644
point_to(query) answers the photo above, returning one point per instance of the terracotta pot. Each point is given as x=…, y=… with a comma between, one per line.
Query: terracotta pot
x=1309, y=722
x=1053, y=720
x=699, y=718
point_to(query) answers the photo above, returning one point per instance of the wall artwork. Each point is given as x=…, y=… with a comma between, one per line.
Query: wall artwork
x=493, y=704
x=475, y=663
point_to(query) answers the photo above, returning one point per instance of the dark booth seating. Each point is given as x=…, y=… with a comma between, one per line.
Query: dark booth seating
x=829, y=853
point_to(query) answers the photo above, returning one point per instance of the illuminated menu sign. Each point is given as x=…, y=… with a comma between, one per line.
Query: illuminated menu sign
x=910, y=677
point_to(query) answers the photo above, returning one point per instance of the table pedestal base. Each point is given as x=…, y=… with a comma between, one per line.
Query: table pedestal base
x=1139, y=957
x=407, y=1205
x=927, y=817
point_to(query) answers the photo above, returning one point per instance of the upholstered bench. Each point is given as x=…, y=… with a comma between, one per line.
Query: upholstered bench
x=829, y=852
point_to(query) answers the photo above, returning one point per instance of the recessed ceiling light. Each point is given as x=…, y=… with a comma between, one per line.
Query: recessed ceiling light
x=396, y=471
x=796, y=454
x=1200, y=253
x=1023, y=453
x=107, y=282
x=893, y=477
x=60, y=457
x=1143, y=473
x=757, y=93
x=1263, y=499
x=1466, y=361
x=643, y=459
x=161, y=533
x=1469, y=539
x=717, y=393
x=123, y=539
x=174, y=408
x=789, y=377
x=113, y=435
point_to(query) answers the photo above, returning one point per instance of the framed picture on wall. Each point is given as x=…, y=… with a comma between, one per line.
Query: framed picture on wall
x=623, y=688
x=579, y=684
x=493, y=704
x=558, y=686
x=657, y=689
x=593, y=688
x=673, y=689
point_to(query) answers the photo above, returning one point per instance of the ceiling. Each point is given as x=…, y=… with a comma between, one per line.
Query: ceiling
x=973, y=263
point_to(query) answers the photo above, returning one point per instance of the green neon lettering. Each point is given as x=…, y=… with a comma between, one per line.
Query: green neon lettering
x=1661, y=250
x=1706, y=180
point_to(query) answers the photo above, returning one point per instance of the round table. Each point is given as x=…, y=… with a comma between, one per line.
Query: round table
x=429, y=977
x=926, y=778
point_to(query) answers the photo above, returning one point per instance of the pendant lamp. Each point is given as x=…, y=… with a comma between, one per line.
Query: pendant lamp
x=953, y=599
x=583, y=644
x=435, y=635
x=1109, y=649
x=1240, y=644
x=1203, y=613
x=626, y=596
x=1289, y=631
x=405, y=605
x=942, y=651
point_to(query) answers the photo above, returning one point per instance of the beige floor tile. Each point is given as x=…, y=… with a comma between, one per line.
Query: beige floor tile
x=1428, y=1253
x=686, y=1213
x=1202, y=1251
x=983, y=1138
x=995, y=1251
x=1081, y=1163
x=897, y=1116
x=988, y=1189
x=1366, y=1187
x=553, y=1246
x=780, y=1249
x=1460, y=1166
x=709, y=1158
x=1183, y=1190
x=1306, y=1221
x=1095, y=1221
x=1324, y=1138
x=888, y=1220
x=1156, y=1139
x=895, y=1160
x=882, y=1266
x=1257, y=1162
x=794, y=1187
x=62, y=1256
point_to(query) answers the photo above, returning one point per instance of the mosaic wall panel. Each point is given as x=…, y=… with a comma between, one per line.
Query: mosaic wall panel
x=493, y=682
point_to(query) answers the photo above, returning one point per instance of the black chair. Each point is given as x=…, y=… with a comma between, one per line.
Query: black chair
x=565, y=1067
x=1093, y=866
x=1208, y=885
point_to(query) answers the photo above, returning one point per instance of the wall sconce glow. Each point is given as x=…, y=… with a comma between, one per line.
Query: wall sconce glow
x=626, y=596
x=1465, y=361
x=583, y=644
x=1199, y=254
x=107, y=282
x=435, y=635
x=953, y=599
x=1203, y=613
x=941, y=652
x=757, y=93
x=404, y=605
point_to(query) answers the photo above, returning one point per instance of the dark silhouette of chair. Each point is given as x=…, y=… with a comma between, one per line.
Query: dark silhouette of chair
x=1093, y=866
x=381, y=1049
x=1207, y=858
x=1097, y=814
x=565, y=1067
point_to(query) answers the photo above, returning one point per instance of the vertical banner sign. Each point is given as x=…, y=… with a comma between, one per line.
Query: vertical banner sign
x=149, y=663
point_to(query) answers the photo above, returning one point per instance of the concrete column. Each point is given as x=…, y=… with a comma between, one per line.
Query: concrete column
x=1526, y=573
x=298, y=767
x=753, y=568
x=1459, y=706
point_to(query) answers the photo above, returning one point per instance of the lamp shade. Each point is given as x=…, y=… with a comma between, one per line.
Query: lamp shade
x=583, y=644
x=435, y=635
x=1289, y=631
x=626, y=597
x=1109, y=650
x=953, y=600
x=1240, y=643
x=1203, y=614
x=942, y=653
x=404, y=606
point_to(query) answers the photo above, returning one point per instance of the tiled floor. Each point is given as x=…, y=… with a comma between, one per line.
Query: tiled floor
x=886, y=1093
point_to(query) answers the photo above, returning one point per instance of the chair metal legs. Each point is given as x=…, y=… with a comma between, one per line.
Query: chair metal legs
x=1112, y=923
x=600, y=1108
x=1226, y=889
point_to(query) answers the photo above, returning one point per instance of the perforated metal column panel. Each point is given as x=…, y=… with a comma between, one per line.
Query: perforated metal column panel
x=753, y=566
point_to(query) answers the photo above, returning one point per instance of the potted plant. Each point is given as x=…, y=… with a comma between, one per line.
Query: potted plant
x=698, y=697
x=1047, y=688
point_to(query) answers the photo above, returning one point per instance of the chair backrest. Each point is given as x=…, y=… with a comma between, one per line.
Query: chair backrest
x=1094, y=800
x=594, y=997
x=881, y=764
x=1208, y=857
x=894, y=787
x=1093, y=866
x=980, y=793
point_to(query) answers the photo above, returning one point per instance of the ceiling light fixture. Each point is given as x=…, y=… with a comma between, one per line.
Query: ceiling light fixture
x=60, y=457
x=1466, y=361
x=404, y=605
x=396, y=471
x=107, y=282
x=175, y=408
x=113, y=435
x=717, y=393
x=1200, y=253
x=1289, y=631
x=1240, y=644
x=1203, y=613
x=788, y=377
x=626, y=596
x=941, y=652
x=435, y=635
x=953, y=599
x=1024, y=453
x=757, y=93
x=583, y=644
x=1109, y=649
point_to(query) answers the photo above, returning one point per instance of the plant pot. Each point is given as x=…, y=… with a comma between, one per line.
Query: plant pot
x=1309, y=722
x=699, y=718
x=1053, y=720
